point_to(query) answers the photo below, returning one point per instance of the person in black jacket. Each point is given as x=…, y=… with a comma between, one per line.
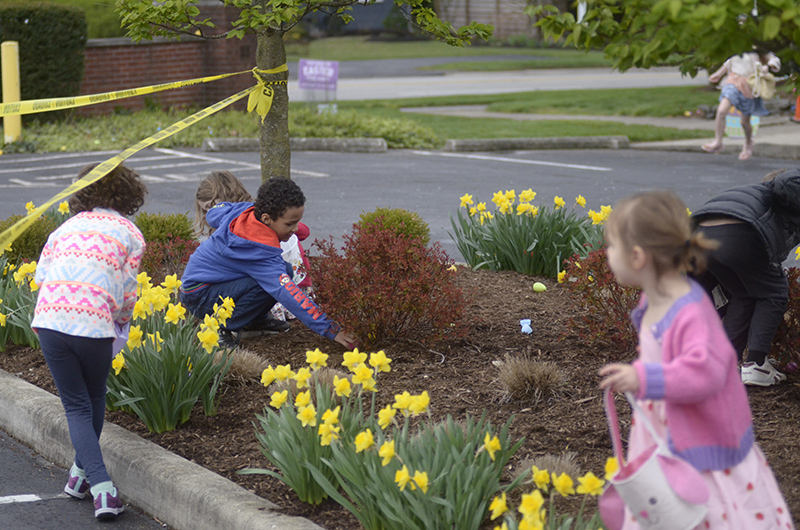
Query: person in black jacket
x=757, y=226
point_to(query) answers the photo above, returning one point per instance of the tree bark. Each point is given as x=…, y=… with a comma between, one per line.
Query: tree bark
x=276, y=158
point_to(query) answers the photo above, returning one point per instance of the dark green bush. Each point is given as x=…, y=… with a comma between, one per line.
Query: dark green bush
x=164, y=227
x=401, y=222
x=51, y=42
x=28, y=246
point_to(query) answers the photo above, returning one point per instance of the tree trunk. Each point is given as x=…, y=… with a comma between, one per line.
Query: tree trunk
x=276, y=159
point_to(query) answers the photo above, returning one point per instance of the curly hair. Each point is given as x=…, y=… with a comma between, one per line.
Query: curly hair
x=121, y=190
x=276, y=196
x=218, y=186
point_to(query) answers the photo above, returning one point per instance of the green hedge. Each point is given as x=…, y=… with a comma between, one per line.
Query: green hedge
x=51, y=42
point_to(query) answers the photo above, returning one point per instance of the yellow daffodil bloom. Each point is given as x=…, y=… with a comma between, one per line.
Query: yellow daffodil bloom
x=303, y=399
x=527, y=195
x=491, y=445
x=308, y=416
x=331, y=416
x=369, y=385
x=563, y=484
x=160, y=299
x=531, y=523
x=63, y=208
x=499, y=198
x=505, y=207
x=228, y=303
x=268, y=376
x=419, y=404
x=144, y=280
x=353, y=358
x=175, y=313
x=503, y=526
x=402, y=477
x=797, y=254
x=580, y=201
x=316, y=359
x=211, y=323
x=466, y=200
x=341, y=386
x=498, y=506
x=208, y=339
x=561, y=276
x=283, y=372
x=361, y=372
x=421, y=480
x=33, y=286
x=590, y=484
x=2, y=320
x=531, y=503
x=386, y=452
x=510, y=195
x=135, y=335
x=118, y=363
x=327, y=433
x=155, y=339
x=301, y=377
x=612, y=467
x=385, y=416
x=171, y=283
x=523, y=207
x=380, y=362
x=402, y=402
x=278, y=399
x=559, y=202
x=364, y=440
x=481, y=207
x=29, y=207
x=605, y=210
x=472, y=211
x=222, y=314
x=541, y=478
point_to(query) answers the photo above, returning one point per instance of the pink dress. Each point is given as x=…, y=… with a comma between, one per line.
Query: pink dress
x=744, y=497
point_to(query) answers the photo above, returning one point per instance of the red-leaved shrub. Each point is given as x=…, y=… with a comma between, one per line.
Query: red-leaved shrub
x=606, y=304
x=387, y=285
x=786, y=345
x=162, y=258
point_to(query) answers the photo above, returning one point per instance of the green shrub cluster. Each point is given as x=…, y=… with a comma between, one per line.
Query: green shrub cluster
x=402, y=222
x=164, y=227
x=28, y=246
x=51, y=42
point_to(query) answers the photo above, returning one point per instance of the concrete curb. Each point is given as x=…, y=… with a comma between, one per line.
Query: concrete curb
x=524, y=144
x=346, y=145
x=765, y=150
x=181, y=494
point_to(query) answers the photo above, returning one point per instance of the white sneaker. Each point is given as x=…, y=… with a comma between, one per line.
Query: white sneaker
x=764, y=375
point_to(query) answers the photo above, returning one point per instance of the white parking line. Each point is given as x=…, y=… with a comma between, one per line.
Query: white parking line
x=513, y=160
x=78, y=164
x=247, y=165
x=53, y=156
x=10, y=499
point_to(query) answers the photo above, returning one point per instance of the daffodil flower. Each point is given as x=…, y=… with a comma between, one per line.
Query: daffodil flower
x=278, y=399
x=171, y=283
x=135, y=335
x=580, y=201
x=364, y=440
x=175, y=313
x=211, y=323
x=385, y=416
x=590, y=484
x=498, y=506
x=303, y=399
x=499, y=198
x=531, y=503
x=510, y=195
x=504, y=207
x=491, y=445
x=419, y=404
x=369, y=385
x=380, y=362
x=612, y=467
x=353, y=358
x=361, y=373
x=561, y=276
x=402, y=477
x=2, y=320
x=144, y=280
x=532, y=523
x=466, y=200
x=284, y=372
x=156, y=339
x=308, y=416
x=341, y=386
x=63, y=208
x=402, y=402
x=316, y=359
x=208, y=339
x=301, y=377
x=118, y=363
x=268, y=376
x=563, y=484
x=331, y=416
x=527, y=195
x=559, y=202
x=523, y=207
x=421, y=480
x=481, y=207
x=29, y=207
x=327, y=433
x=386, y=452
x=541, y=478
x=472, y=211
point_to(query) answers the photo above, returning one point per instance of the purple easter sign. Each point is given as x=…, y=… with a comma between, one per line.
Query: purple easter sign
x=318, y=75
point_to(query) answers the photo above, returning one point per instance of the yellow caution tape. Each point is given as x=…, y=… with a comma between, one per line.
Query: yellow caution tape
x=104, y=168
x=46, y=105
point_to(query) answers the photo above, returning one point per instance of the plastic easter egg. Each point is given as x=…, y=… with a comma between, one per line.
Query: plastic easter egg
x=539, y=287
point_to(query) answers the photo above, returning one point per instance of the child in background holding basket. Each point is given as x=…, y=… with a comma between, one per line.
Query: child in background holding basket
x=87, y=290
x=686, y=378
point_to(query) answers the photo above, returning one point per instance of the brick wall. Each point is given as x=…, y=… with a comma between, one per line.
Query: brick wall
x=118, y=64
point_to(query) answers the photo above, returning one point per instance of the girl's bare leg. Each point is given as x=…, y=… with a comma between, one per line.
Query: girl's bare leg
x=747, y=148
x=719, y=127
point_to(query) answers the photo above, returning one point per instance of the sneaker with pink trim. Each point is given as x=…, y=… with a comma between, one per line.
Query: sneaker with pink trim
x=108, y=505
x=761, y=375
x=76, y=487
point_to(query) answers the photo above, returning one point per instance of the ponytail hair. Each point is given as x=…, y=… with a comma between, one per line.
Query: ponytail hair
x=658, y=221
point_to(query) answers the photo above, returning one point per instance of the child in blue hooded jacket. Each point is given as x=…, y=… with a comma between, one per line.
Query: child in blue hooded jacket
x=243, y=260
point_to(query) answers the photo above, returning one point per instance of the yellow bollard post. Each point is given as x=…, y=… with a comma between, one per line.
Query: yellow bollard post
x=9, y=62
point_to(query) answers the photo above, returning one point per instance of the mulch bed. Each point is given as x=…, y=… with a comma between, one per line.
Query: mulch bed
x=461, y=378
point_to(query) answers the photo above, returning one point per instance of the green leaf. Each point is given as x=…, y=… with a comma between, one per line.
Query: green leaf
x=771, y=27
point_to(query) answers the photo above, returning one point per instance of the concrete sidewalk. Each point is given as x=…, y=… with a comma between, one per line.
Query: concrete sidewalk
x=777, y=136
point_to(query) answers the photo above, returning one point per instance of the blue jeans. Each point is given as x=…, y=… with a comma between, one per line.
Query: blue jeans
x=252, y=302
x=80, y=368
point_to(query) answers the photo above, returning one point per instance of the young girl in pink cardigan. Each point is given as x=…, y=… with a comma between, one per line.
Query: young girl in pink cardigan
x=686, y=377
